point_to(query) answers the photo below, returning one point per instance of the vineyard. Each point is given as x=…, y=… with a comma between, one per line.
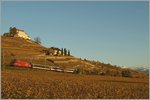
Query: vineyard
x=20, y=83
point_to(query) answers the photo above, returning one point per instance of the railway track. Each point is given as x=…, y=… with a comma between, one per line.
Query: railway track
x=53, y=68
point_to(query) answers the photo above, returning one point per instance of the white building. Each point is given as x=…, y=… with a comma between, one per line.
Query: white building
x=14, y=32
x=57, y=52
x=22, y=34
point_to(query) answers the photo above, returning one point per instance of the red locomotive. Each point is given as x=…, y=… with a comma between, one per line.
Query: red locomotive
x=19, y=63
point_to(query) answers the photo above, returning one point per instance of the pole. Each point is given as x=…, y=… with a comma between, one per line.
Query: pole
x=45, y=60
x=3, y=57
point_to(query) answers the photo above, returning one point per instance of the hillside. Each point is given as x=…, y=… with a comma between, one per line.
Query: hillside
x=94, y=80
x=29, y=50
x=20, y=47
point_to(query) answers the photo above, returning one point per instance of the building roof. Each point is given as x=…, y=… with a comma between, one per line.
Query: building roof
x=20, y=30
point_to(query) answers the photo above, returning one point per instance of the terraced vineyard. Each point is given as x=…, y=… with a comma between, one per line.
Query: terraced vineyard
x=95, y=80
x=20, y=83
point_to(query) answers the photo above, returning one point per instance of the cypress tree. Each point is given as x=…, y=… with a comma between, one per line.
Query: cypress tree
x=62, y=51
x=65, y=51
x=68, y=52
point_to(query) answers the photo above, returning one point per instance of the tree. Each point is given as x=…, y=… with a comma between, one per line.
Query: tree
x=47, y=52
x=10, y=29
x=126, y=73
x=6, y=34
x=37, y=40
x=57, y=53
x=68, y=52
x=62, y=51
x=65, y=51
x=85, y=59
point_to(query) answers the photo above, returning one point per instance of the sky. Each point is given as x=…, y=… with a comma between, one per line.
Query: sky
x=115, y=32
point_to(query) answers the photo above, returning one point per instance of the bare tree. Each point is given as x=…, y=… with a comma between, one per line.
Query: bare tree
x=37, y=40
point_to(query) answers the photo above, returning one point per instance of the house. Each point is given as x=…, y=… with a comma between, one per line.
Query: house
x=14, y=32
x=57, y=52
x=53, y=51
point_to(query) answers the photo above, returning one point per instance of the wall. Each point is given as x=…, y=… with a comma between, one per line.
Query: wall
x=22, y=34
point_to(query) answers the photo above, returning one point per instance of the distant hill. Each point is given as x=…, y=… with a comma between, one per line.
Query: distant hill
x=29, y=50
x=140, y=69
x=145, y=70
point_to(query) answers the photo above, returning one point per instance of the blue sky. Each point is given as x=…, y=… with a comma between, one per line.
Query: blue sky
x=111, y=32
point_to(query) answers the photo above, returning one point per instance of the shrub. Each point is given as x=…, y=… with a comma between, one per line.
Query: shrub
x=126, y=73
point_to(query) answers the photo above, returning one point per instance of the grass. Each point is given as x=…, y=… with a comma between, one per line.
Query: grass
x=21, y=83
